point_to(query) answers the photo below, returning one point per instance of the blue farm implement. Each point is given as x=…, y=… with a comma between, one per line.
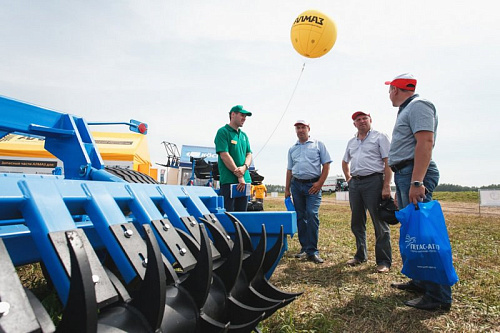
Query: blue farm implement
x=126, y=256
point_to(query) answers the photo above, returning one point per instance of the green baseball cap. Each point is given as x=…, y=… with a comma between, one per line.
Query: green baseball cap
x=239, y=108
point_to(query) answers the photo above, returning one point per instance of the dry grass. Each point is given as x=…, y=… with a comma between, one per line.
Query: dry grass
x=338, y=298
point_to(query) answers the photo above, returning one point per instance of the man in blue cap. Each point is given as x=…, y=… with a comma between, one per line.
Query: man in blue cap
x=233, y=147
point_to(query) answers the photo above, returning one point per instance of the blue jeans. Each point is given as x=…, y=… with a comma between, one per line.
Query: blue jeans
x=402, y=178
x=365, y=194
x=307, y=208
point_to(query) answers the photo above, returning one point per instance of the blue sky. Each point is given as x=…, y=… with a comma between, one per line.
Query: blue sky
x=181, y=65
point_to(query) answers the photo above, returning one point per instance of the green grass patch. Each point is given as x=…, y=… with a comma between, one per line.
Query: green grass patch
x=466, y=196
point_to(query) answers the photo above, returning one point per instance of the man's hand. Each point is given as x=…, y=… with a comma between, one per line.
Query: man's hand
x=241, y=184
x=287, y=193
x=386, y=191
x=240, y=171
x=417, y=194
x=315, y=188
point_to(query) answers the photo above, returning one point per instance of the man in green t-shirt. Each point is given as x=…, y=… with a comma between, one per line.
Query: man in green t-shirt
x=235, y=156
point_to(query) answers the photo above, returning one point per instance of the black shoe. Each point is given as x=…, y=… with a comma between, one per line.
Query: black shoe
x=300, y=255
x=408, y=286
x=315, y=259
x=427, y=303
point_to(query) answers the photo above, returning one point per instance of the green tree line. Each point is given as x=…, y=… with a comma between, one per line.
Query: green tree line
x=459, y=188
x=275, y=188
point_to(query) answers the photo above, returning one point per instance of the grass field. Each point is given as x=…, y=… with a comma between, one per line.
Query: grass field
x=468, y=196
x=339, y=298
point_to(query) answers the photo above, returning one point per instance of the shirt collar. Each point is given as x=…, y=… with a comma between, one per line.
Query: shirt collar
x=368, y=133
x=405, y=103
x=308, y=140
x=230, y=128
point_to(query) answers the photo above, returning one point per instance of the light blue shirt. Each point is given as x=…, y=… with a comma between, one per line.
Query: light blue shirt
x=366, y=156
x=305, y=159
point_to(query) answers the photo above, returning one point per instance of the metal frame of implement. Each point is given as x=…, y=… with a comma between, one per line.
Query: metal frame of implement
x=158, y=257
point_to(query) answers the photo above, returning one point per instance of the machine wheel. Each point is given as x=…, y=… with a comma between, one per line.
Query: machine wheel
x=131, y=176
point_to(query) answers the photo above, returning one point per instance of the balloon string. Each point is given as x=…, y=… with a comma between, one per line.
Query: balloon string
x=284, y=112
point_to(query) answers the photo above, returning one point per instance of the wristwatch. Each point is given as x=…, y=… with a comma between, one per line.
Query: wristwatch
x=247, y=166
x=416, y=183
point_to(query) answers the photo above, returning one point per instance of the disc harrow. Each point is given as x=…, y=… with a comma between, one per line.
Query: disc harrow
x=129, y=257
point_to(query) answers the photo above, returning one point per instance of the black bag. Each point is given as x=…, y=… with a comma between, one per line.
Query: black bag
x=387, y=211
x=255, y=206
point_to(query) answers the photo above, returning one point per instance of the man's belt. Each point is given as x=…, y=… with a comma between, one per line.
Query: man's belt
x=313, y=180
x=401, y=165
x=363, y=177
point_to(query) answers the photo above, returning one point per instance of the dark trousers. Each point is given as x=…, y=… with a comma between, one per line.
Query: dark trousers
x=238, y=204
x=365, y=194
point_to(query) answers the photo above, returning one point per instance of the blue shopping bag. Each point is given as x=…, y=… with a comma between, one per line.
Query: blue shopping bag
x=289, y=204
x=424, y=244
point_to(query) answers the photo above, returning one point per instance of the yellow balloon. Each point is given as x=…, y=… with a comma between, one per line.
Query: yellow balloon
x=313, y=34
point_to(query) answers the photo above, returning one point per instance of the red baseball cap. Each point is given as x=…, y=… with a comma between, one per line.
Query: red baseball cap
x=359, y=113
x=404, y=81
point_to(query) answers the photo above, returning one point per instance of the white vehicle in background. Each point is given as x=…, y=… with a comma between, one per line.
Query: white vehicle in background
x=334, y=184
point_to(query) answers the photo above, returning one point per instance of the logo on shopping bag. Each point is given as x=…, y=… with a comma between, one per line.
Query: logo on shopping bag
x=411, y=242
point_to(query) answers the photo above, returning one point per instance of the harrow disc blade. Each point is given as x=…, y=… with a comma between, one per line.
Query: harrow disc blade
x=181, y=314
x=80, y=313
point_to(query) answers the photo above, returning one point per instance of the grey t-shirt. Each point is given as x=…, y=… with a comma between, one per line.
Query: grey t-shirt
x=419, y=115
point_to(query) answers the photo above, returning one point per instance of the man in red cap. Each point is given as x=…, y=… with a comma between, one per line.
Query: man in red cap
x=369, y=177
x=415, y=173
